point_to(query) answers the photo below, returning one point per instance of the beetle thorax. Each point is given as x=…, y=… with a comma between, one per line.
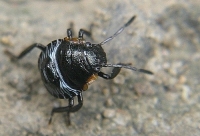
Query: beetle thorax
x=79, y=62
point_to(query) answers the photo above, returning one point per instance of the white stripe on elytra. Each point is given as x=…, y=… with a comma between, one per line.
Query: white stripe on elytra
x=52, y=54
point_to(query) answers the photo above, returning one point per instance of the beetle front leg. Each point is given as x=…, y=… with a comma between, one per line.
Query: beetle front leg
x=115, y=71
x=126, y=66
x=112, y=75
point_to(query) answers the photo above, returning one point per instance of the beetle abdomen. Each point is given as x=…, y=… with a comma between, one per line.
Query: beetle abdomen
x=51, y=75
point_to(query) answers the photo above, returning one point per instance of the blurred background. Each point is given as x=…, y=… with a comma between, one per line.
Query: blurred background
x=164, y=38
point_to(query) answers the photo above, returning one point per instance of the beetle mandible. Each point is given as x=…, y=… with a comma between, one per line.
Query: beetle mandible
x=69, y=65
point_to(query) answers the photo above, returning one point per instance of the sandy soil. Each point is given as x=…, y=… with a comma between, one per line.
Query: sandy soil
x=164, y=38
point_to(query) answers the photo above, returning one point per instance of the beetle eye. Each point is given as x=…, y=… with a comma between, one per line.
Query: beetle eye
x=88, y=44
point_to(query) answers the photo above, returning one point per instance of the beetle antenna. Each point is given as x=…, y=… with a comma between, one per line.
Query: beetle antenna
x=128, y=67
x=119, y=31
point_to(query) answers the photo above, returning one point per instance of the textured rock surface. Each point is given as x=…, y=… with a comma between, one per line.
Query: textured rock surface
x=164, y=38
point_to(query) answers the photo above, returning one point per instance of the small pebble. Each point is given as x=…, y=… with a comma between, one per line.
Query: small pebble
x=109, y=102
x=6, y=40
x=109, y=113
x=114, y=90
x=106, y=92
x=185, y=92
x=98, y=116
x=182, y=79
x=122, y=117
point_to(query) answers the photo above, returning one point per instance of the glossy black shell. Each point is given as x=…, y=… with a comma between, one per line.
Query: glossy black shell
x=66, y=65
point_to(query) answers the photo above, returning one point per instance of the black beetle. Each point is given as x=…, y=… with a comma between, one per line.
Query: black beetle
x=69, y=65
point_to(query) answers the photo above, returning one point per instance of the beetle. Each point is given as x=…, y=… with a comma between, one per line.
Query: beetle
x=69, y=65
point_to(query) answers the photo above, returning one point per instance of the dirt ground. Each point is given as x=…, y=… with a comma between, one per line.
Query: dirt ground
x=164, y=38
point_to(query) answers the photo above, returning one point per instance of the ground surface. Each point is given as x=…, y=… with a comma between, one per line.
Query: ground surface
x=164, y=38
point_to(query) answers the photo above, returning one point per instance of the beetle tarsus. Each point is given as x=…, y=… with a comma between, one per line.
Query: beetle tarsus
x=69, y=108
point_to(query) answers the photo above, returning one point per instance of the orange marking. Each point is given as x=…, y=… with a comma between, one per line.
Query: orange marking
x=85, y=87
x=90, y=80
x=75, y=40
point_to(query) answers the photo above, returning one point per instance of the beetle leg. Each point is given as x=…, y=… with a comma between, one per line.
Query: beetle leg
x=82, y=32
x=26, y=51
x=114, y=72
x=112, y=75
x=128, y=66
x=69, y=33
x=68, y=109
x=79, y=105
x=62, y=109
x=71, y=26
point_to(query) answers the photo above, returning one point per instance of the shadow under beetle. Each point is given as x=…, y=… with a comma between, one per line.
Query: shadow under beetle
x=69, y=65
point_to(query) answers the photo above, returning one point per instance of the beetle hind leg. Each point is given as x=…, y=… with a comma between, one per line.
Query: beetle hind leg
x=25, y=52
x=68, y=109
